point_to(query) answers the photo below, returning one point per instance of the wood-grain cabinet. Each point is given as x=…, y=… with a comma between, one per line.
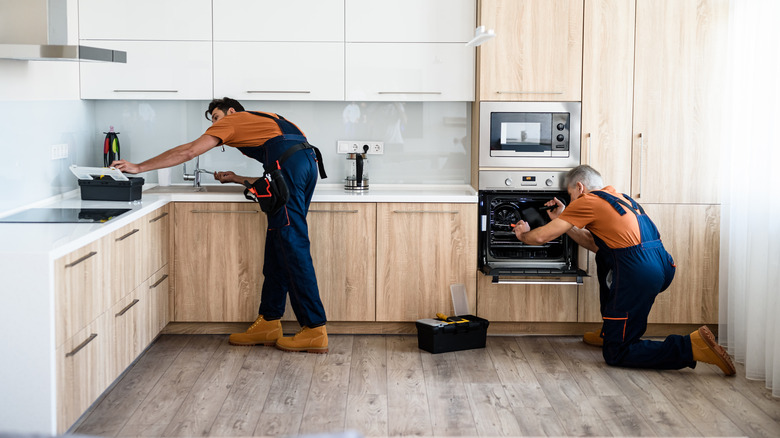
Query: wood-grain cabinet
x=110, y=303
x=650, y=133
x=537, y=52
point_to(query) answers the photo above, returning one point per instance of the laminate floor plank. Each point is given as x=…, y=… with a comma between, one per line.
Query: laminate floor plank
x=114, y=410
x=160, y=406
x=241, y=411
x=207, y=397
x=384, y=385
x=367, y=395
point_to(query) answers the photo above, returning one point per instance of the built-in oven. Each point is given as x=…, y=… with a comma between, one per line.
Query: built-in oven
x=505, y=198
x=529, y=135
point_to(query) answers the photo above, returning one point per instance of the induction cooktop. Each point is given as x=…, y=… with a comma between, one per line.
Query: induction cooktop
x=64, y=215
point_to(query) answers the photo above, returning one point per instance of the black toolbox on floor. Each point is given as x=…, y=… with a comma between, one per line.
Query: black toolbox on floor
x=107, y=189
x=445, y=337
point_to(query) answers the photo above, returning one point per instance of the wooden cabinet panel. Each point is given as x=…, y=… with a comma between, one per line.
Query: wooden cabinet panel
x=218, y=261
x=83, y=370
x=607, y=89
x=537, y=52
x=156, y=241
x=129, y=318
x=79, y=289
x=422, y=249
x=678, y=100
x=127, y=259
x=159, y=291
x=526, y=303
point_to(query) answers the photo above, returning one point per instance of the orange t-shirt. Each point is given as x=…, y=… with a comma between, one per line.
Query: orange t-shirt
x=602, y=220
x=244, y=129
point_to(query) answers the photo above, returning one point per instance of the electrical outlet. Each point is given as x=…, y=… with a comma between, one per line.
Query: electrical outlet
x=358, y=146
x=59, y=151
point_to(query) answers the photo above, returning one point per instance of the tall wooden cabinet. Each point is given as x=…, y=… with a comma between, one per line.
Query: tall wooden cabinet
x=537, y=52
x=651, y=103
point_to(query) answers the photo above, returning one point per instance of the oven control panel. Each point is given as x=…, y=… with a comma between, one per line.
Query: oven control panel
x=522, y=180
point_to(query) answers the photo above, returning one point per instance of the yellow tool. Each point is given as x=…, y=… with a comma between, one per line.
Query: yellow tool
x=451, y=320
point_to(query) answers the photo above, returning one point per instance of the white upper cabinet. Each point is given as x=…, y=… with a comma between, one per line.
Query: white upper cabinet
x=399, y=21
x=157, y=70
x=273, y=20
x=410, y=72
x=145, y=20
x=274, y=71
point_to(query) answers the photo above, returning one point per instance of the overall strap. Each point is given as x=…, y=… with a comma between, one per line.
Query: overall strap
x=647, y=230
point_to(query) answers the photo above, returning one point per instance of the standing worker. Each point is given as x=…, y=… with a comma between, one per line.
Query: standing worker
x=632, y=267
x=288, y=265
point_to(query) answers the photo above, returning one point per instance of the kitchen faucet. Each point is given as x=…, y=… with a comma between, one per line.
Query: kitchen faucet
x=195, y=175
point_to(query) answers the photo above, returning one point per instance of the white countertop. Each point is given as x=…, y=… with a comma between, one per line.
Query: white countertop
x=57, y=240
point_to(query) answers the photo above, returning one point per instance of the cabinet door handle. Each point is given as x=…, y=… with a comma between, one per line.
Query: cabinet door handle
x=81, y=259
x=159, y=217
x=123, y=311
x=226, y=211
x=426, y=211
x=410, y=92
x=146, y=91
x=587, y=147
x=529, y=92
x=278, y=91
x=577, y=282
x=641, y=152
x=157, y=283
x=81, y=345
x=127, y=235
x=333, y=211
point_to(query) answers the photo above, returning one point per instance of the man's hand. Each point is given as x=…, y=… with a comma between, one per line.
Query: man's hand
x=126, y=166
x=557, y=210
x=521, y=228
x=227, y=177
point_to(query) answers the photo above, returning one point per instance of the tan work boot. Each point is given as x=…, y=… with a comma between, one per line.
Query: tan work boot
x=593, y=338
x=706, y=349
x=260, y=332
x=310, y=340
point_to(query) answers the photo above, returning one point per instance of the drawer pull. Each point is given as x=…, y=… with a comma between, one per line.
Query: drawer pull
x=278, y=91
x=529, y=92
x=577, y=282
x=226, y=211
x=426, y=211
x=157, y=283
x=409, y=92
x=146, y=91
x=333, y=211
x=70, y=265
x=158, y=217
x=81, y=345
x=123, y=311
x=127, y=235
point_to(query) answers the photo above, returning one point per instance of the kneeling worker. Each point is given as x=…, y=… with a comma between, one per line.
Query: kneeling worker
x=288, y=265
x=632, y=267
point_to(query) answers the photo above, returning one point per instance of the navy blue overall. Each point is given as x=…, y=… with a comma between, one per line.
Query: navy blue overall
x=629, y=280
x=287, y=264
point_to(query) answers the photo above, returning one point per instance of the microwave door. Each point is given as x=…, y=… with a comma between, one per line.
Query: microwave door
x=521, y=135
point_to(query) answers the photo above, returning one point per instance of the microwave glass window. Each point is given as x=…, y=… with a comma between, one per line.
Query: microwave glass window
x=521, y=133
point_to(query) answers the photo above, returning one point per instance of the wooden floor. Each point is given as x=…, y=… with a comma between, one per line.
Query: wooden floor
x=383, y=385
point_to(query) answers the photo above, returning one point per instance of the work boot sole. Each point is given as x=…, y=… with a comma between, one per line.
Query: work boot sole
x=250, y=344
x=303, y=349
x=727, y=367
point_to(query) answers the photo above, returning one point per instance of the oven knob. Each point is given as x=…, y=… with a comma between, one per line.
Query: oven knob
x=560, y=137
x=560, y=126
x=508, y=182
x=548, y=182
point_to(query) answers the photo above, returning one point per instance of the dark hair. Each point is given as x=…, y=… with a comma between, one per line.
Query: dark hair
x=223, y=104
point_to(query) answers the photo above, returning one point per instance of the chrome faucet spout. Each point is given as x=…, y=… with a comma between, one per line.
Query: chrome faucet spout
x=195, y=175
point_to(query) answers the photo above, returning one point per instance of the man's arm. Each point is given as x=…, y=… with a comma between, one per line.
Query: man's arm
x=171, y=157
x=583, y=238
x=543, y=234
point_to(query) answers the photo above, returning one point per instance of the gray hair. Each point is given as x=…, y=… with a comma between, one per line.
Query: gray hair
x=588, y=176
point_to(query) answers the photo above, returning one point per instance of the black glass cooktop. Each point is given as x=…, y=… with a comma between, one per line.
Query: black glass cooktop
x=64, y=215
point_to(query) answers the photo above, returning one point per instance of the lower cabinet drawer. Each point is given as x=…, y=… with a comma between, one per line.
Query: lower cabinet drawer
x=83, y=364
x=129, y=319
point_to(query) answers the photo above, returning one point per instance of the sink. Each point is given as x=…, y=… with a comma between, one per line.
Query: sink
x=187, y=188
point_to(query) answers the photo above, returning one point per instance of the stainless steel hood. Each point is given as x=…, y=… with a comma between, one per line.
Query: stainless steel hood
x=38, y=30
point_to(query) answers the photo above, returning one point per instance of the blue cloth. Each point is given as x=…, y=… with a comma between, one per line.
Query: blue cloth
x=629, y=280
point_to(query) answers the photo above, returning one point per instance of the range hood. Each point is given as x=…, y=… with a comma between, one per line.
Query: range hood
x=38, y=30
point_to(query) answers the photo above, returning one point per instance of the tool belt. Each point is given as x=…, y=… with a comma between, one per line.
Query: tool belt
x=270, y=190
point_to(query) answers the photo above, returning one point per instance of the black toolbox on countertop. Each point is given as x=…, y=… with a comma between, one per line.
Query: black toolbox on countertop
x=447, y=337
x=108, y=189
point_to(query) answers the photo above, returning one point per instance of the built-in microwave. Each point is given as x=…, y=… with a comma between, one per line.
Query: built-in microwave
x=529, y=134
